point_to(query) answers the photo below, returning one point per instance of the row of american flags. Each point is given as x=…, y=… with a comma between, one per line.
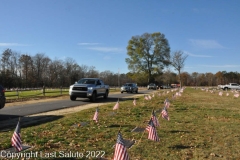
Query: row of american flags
x=120, y=152
x=234, y=93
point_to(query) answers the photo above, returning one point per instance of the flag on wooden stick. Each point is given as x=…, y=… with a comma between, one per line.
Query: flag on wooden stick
x=154, y=119
x=95, y=117
x=152, y=133
x=149, y=97
x=146, y=97
x=116, y=105
x=134, y=102
x=165, y=114
x=220, y=93
x=167, y=103
x=120, y=149
x=16, y=138
x=236, y=95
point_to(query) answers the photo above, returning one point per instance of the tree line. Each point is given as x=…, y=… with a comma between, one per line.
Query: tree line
x=148, y=61
x=26, y=71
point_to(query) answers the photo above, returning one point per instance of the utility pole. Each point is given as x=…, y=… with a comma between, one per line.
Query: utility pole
x=118, y=78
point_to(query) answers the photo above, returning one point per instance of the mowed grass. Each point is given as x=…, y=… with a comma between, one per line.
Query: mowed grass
x=202, y=125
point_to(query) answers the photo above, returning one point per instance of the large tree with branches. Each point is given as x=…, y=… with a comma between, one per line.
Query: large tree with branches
x=148, y=53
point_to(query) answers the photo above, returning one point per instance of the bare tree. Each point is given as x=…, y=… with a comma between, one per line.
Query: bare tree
x=26, y=64
x=41, y=64
x=177, y=61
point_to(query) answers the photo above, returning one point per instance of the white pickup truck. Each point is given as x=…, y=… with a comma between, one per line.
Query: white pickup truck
x=229, y=86
x=88, y=88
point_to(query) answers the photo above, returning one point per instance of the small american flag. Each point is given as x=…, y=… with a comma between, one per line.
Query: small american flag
x=120, y=149
x=154, y=119
x=134, y=102
x=95, y=117
x=149, y=97
x=116, y=105
x=146, y=97
x=16, y=138
x=236, y=95
x=165, y=114
x=152, y=133
x=220, y=93
x=167, y=104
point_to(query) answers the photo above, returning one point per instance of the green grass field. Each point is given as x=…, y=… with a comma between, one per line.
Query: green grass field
x=202, y=125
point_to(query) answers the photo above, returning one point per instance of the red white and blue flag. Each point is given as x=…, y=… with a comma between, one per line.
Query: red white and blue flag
x=95, y=117
x=154, y=119
x=165, y=114
x=16, y=138
x=152, y=133
x=134, y=102
x=146, y=97
x=120, y=149
x=149, y=97
x=236, y=95
x=116, y=105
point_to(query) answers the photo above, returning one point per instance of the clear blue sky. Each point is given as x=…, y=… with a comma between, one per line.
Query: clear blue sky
x=96, y=32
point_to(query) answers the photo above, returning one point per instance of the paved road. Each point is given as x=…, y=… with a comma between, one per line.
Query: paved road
x=29, y=109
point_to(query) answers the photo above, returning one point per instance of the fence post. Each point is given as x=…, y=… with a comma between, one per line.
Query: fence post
x=43, y=90
x=61, y=90
x=17, y=94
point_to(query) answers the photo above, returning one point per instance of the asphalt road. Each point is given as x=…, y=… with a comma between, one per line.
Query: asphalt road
x=30, y=109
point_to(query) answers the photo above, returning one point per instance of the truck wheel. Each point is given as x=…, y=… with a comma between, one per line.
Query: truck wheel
x=73, y=98
x=225, y=88
x=2, y=103
x=106, y=95
x=137, y=91
x=94, y=96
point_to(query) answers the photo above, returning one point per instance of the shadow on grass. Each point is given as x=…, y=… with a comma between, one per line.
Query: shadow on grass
x=181, y=109
x=108, y=100
x=178, y=131
x=180, y=147
x=12, y=120
x=122, y=126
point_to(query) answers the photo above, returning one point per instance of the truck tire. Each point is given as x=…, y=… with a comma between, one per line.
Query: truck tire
x=73, y=98
x=2, y=103
x=137, y=91
x=106, y=95
x=94, y=97
x=225, y=88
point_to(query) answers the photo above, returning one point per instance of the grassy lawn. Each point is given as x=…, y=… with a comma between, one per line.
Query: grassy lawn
x=202, y=125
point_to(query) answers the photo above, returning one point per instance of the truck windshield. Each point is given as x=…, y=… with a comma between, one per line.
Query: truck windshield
x=86, y=81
